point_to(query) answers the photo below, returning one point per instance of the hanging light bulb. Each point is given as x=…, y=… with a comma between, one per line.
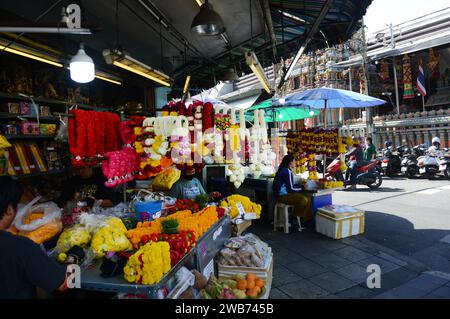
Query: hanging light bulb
x=82, y=68
x=207, y=21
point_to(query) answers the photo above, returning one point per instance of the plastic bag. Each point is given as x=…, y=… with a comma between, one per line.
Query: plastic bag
x=120, y=210
x=62, y=134
x=165, y=180
x=185, y=279
x=51, y=213
x=73, y=236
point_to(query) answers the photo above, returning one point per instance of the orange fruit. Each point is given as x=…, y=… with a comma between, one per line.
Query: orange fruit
x=251, y=276
x=241, y=284
x=259, y=282
x=258, y=289
x=250, y=284
x=252, y=293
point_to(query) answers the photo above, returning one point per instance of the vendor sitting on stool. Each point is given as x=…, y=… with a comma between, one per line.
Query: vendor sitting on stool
x=88, y=185
x=286, y=193
x=187, y=187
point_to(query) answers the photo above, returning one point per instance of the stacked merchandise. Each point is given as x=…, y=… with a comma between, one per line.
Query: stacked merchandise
x=246, y=255
x=25, y=158
x=199, y=135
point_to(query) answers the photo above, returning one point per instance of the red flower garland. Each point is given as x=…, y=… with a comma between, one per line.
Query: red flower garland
x=208, y=116
x=126, y=129
x=91, y=148
x=77, y=141
x=100, y=125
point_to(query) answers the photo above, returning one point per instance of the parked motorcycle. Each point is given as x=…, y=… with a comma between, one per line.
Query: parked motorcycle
x=367, y=175
x=444, y=164
x=428, y=165
x=391, y=164
x=409, y=165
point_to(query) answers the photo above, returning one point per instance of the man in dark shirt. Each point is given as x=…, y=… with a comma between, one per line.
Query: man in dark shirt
x=23, y=264
x=88, y=185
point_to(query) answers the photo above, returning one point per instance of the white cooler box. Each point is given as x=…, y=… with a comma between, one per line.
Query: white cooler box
x=339, y=221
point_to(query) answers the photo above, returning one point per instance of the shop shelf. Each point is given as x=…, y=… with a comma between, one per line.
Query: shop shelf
x=52, y=172
x=4, y=115
x=48, y=101
x=29, y=137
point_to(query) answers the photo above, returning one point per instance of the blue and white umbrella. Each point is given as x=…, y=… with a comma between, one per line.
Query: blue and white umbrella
x=328, y=98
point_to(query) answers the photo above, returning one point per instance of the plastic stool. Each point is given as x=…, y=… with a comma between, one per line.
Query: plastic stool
x=281, y=217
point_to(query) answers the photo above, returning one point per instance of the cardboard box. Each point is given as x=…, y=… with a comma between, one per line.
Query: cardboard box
x=265, y=273
x=10, y=129
x=13, y=108
x=47, y=129
x=30, y=128
x=339, y=221
x=240, y=228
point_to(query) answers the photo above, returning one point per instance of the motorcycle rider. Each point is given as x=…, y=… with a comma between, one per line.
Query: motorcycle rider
x=434, y=149
x=358, y=152
x=370, y=151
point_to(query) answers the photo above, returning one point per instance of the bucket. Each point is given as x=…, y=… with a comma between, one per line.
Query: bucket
x=148, y=211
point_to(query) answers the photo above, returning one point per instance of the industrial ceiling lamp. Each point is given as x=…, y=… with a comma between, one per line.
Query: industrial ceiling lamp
x=230, y=75
x=82, y=68
x=207, y=21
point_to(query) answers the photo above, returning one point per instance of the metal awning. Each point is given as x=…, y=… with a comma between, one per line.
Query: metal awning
x=406, y=48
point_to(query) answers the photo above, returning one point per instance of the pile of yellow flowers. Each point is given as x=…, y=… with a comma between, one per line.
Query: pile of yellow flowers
x=73, y=236
x=149, y=264
x=331, y=184
x=109, y=238
x=249, y=206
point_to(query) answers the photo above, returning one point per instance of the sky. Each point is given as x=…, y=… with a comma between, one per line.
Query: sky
x=381, y=12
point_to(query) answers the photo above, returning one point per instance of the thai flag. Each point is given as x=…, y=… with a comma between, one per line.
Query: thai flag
x=421, y=80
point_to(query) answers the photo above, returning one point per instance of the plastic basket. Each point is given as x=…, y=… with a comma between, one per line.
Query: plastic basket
x=147, y=210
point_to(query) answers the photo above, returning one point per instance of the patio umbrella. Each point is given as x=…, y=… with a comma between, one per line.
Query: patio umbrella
x=324, y=98
x=285, y=113
x=280, y=113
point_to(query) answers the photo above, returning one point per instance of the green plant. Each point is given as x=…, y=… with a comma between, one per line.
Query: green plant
x=170, y=223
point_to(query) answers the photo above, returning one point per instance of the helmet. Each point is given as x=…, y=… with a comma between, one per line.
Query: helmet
x=435, y=140
x=387, y=144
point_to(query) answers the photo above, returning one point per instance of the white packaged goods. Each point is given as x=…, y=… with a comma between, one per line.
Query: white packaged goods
x=339, y=221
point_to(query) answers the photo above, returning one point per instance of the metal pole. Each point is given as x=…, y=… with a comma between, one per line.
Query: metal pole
x=423, y=102
x=397, y=102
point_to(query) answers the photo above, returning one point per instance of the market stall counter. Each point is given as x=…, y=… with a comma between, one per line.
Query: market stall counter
x=200, y=257
x=91, y=279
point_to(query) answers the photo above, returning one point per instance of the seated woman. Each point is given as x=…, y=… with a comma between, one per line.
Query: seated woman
x=286, y=192
x=187, y=187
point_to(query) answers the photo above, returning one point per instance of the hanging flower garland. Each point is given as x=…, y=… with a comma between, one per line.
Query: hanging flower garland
x=408, y=92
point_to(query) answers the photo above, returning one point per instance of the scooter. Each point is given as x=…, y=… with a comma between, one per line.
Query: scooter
x=367, y=175
x=392, y=161
x=409, y=165
x=444, y=164
x=428, y=165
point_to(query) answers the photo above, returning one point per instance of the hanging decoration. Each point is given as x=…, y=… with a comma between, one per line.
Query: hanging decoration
x=91, y=134
x=433, y=64
x=384, y=71
x=408, y=92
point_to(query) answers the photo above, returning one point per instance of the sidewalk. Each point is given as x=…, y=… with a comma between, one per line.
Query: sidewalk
x=308, y=265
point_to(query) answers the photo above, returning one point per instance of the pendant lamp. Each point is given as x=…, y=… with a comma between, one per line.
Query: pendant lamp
x=207, y=21
x=82, y=68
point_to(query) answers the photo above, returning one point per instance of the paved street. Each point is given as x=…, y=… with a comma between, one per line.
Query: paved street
x=411, y=217
x=407, y=234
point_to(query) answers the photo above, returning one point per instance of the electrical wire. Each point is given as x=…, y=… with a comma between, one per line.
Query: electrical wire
x=35, y=20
